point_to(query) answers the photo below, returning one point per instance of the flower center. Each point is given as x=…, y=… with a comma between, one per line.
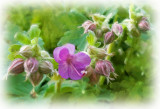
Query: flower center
x=69, y=59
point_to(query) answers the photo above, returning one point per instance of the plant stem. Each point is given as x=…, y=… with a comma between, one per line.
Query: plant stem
x=33, y=92
x=109, y=50
x=57, y=86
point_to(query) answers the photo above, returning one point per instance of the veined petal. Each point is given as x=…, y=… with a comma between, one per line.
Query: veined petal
x=81, y=60
x=60, y=53
x=63, y=70
x=74, y=74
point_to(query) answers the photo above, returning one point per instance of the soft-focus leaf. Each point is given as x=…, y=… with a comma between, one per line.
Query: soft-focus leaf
x=22, y=37
x=34, y=31
x=75, y=37
x=14, y=48
x=91, y=38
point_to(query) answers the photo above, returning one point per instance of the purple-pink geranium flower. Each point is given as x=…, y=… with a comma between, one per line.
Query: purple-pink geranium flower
x=71, y=65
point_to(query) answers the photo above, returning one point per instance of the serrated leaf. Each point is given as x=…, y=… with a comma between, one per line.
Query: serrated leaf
x=75, y=37
x=34, y=31
x=13, y=56
x=91, y=38
x=14, y=48
x=22, y=37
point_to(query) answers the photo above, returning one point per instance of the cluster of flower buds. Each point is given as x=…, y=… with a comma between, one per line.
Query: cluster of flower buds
x=144, y=24
x=34, y=68
x=109, y=36
x=88, y=25
x=105, y=67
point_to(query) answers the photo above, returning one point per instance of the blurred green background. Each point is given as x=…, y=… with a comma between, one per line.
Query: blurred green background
x=133, y=65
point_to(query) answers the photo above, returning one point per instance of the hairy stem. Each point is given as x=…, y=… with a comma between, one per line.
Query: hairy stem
x=109, y=50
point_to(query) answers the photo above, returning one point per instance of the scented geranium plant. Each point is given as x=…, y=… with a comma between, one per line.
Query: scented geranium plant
x=86, y=60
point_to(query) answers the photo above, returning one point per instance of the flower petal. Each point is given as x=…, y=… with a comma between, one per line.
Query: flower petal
x=61, y=53
x=64, y=53
x=81, y=60
x=63, y=70
x=70, y=47
x=74, y=74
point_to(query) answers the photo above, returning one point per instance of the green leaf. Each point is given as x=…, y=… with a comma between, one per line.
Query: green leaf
x=34, y=31
x=75, y=37
x=14, y=52
x=14, y=55
x=91, y=38
x=49, y=91
x=34, y=41
x=97, y=44
x=145, y=36
x=18, y=87
x=22, y=37
x=67, y=89
x=40, y=42
x=14, y=48
x=107, y=19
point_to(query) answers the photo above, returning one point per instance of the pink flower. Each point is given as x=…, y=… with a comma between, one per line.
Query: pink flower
x=71, y=65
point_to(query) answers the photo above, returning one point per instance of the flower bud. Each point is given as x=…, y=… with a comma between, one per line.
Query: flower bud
x=46, y=67
x=98, y=52
x=31, y=66
x=16, y=66
x=117, y=29
x=36, y=78
x=105, y=29
x=104, y=67
x=44, y=54
x=99, y=32
x=143, y=24
x=109, y=37
x=93, y=77
x=88, y=25
x=26, y=51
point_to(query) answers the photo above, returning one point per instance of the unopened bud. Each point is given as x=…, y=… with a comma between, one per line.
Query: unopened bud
x=93, y=76
x=105, y=29
x=46, y=67
x=16, y=66
x=99, y=32
x=143, y=24
x=117, y=29
x=98, y=52
x=109, y=37
x=31, y=66
x=44, y=54
x=88, y=25
x=36, y=78
x=26, y=51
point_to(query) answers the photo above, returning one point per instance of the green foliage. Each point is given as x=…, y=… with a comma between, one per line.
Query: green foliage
x=76, y=37
x=22, y=37
x=34, y=31
x=91, y=38
x=59, y=25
